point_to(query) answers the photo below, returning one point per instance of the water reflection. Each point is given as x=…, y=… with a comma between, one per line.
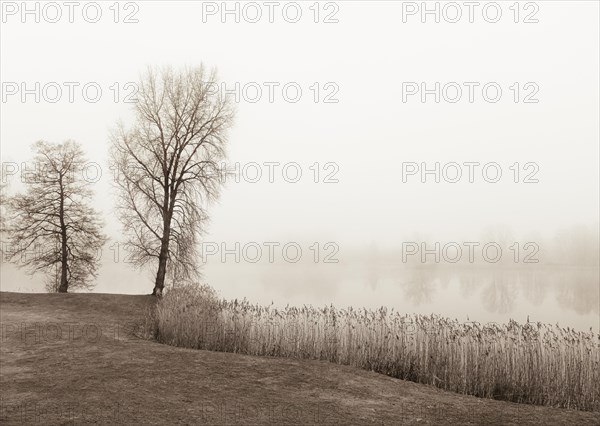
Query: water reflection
x=563, y=285
x=560, y=293
x=575, y=288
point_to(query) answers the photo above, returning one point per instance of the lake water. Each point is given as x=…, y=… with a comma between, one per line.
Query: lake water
x=568, y=295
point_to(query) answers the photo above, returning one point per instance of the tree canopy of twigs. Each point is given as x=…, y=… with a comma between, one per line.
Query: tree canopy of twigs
x=169, y=167
x=51, y=227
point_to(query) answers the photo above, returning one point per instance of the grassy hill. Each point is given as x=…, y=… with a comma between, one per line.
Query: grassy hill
x=73, y=359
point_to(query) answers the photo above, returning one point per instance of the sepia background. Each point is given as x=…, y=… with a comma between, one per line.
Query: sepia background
x=368, y=212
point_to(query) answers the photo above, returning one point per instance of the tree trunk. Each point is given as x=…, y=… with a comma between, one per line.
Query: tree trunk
x=159, y=284
x=168, y=203
x=63, y=264
x=63, y=240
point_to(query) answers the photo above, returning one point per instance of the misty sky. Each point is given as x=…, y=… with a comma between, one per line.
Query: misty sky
x=368, y=134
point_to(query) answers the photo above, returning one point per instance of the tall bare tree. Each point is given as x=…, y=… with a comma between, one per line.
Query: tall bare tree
x=169, y=166
x=51, y=227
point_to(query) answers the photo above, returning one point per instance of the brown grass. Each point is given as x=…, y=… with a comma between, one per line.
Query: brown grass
x=121, y=379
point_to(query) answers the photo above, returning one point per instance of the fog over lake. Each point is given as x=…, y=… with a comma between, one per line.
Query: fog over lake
x=567, y=294
x=365, y=185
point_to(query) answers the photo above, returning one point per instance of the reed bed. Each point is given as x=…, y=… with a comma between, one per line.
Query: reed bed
x=528, y=363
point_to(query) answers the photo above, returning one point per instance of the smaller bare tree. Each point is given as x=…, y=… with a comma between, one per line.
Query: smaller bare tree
x=51, y=228
x=2, y=206
x=3, y=186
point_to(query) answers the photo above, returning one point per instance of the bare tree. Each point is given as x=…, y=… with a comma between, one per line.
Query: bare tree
x=3, y=185
x=51, y=227
x=169, y=167
x=2, y=206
